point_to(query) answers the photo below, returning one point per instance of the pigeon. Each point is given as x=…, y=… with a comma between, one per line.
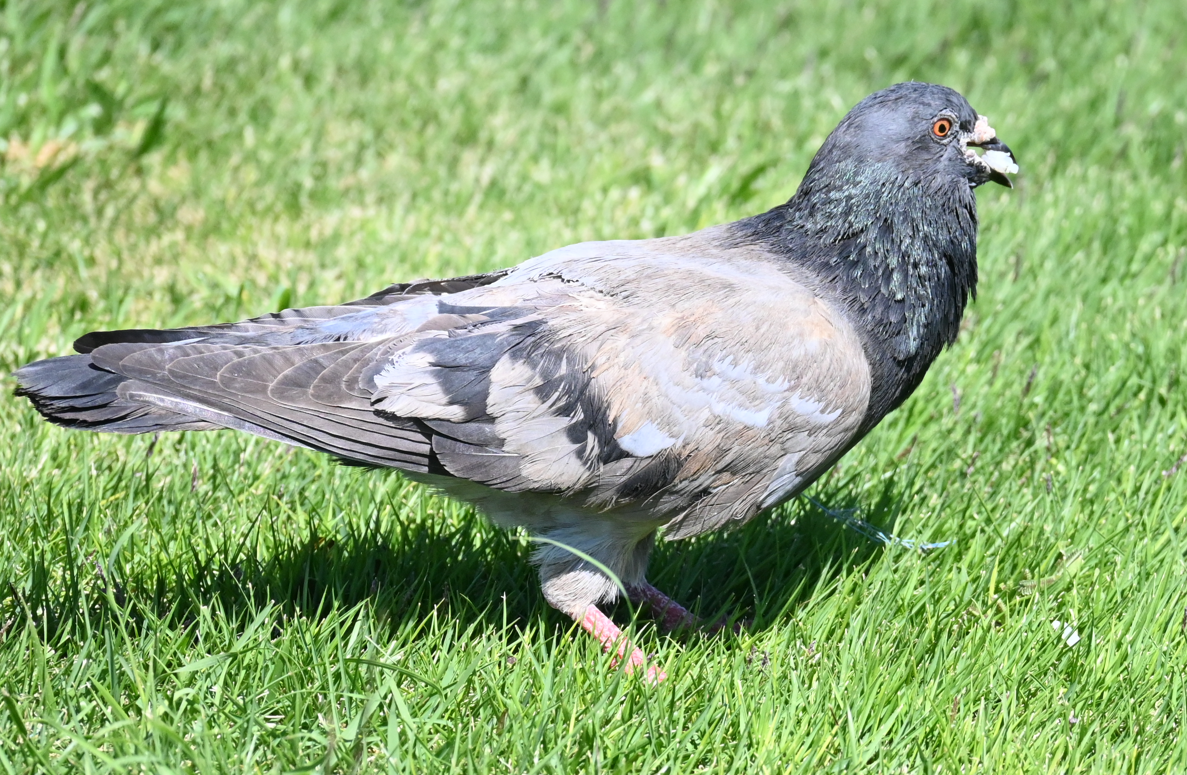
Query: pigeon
x=606, y=393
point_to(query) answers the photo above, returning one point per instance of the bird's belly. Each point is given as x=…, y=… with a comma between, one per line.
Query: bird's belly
x=550, y=513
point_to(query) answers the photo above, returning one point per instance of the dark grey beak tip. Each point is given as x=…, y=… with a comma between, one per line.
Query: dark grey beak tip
x=1000, y=179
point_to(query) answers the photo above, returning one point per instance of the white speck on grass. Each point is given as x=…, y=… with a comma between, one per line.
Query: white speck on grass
x=1070, y=636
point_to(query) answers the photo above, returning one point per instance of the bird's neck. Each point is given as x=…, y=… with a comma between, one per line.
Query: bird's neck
x=898, y=258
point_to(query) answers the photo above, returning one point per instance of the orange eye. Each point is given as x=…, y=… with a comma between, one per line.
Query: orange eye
x=941, y=128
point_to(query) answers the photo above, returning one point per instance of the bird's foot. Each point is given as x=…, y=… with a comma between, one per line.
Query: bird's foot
x=673, y=616
x=727, y=624
x=614, y=641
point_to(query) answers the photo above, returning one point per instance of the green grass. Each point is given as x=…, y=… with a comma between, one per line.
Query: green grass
x=214, y=603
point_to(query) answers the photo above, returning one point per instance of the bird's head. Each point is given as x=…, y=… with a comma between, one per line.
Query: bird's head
x=917, y=131
x=886, y=215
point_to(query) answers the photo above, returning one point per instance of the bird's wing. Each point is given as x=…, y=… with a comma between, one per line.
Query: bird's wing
x=673, y=376
x=299, y=322
x=692, y=380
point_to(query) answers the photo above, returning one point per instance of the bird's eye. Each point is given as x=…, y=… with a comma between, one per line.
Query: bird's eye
x=942, y=127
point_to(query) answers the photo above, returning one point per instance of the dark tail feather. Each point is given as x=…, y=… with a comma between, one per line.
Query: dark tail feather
x=73, y=392
x=88, y=342
x=128, y=387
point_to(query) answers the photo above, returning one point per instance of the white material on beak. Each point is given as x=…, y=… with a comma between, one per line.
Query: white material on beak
x=1000, y=161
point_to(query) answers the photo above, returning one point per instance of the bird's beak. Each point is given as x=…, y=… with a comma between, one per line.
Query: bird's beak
x=998, y=160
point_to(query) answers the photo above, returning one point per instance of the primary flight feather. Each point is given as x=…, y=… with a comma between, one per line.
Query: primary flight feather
x=604, y=392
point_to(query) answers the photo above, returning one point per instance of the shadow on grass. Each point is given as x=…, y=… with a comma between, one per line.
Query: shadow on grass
x=466, y=570
x=763, y=571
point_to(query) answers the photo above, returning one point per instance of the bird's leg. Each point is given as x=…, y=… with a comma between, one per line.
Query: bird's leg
x=671, y=615
x=613, y=640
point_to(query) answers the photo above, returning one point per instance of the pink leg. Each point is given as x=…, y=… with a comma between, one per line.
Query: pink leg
x=671, y=615
x=599, y=625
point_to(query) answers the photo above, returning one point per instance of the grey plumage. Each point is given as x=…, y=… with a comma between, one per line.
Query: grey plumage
x=605, y=391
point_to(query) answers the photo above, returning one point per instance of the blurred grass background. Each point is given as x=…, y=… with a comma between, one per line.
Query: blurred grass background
x=213, y=603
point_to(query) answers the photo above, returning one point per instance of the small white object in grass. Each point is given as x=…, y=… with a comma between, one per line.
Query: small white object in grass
x=1070, y=636
x=1000, y=161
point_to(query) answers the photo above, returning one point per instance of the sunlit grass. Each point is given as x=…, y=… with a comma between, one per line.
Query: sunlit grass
x=214, y=603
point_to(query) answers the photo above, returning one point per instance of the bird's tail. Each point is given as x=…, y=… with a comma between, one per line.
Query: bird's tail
x=72, y=391
x=299, y=376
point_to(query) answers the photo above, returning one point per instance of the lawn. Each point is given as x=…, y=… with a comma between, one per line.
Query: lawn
x=216, y=603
